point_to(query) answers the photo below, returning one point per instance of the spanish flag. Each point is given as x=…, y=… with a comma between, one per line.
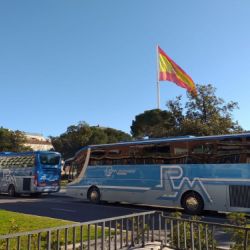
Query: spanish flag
x=170, y=71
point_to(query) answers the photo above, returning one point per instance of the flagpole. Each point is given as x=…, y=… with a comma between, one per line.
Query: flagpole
x=157, y=77
x=158, y=95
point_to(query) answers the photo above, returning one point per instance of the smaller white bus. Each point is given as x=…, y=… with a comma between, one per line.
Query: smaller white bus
x=194, y=173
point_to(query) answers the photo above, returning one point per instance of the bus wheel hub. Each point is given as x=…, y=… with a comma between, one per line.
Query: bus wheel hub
x=93, y=195
x=192, y=203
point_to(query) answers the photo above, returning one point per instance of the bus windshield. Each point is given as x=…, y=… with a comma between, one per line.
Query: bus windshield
x=74, y=166
x=50, y=159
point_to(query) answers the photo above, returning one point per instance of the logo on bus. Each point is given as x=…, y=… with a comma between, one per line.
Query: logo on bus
x=173, y=181
x=111, y=171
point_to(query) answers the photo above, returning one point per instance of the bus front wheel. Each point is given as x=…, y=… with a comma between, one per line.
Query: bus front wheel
x=11, y=191
x=192, y=203
x=94, y=195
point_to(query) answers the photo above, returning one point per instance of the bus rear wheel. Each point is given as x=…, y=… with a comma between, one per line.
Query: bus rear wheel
x=11, y=191
x=192, y=203
x=94, y=195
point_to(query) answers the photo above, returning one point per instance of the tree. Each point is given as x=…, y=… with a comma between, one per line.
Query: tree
x=12, y=141
x=98, y=136
x=209, y=114
x=78, y=136
x=153, y=123
x=203, y=114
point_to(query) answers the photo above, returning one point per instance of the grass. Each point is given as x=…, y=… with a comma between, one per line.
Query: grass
x=12, y=222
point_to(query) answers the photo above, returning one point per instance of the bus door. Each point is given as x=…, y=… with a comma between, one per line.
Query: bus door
x=6, y=179
x=1, y=180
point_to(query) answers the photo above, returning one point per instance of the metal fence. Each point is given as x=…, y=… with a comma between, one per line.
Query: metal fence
x=127, y=231
x=113, y=233
x=179, y=233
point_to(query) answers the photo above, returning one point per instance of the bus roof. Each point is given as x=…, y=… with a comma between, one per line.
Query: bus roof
x=26, y=153
x=167, y=139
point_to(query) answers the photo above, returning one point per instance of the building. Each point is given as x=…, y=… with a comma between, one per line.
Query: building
x=38, y=142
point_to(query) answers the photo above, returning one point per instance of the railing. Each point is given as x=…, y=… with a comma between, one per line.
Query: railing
x=179, y=233
x=127, y=231
x=112, y=233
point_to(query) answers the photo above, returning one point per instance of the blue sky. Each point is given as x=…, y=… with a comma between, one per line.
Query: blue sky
x=62, y=62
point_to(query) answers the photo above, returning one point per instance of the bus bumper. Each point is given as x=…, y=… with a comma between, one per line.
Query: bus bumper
x=47, y=189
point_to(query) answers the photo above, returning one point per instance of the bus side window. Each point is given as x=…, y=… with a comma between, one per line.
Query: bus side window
x=201, y=153
x=202, y=149
x=229, y=159
x=97, y=157
x=180, y=153
x=156, y=154
x=231, y=151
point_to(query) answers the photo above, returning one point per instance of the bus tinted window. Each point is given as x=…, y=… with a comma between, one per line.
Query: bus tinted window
x=75, y=166
x=131, y=155
x=180, y=153
x=231, y=150
x=202, y=152
x=17, y=161
x=49, y=159
x=203, y=149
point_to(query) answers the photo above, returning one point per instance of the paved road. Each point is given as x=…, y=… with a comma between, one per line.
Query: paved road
x=62, y=207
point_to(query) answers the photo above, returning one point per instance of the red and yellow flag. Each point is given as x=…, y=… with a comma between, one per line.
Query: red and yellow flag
x=170, y=71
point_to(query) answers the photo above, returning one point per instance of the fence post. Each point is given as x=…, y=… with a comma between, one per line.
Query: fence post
x=110, y=235
x=39, y=241
x=81, y=238
x=7, y=243
x=159, y=226
x=165, y=231
x=18, y=243
x=103, y=235
x=143, y=231
x=172, y=232
x=132, y=232
x=185, y=234
x=192, y=235
x=29, y=242
x=148, y=227
x=245, y=238
x=199, y=236
x=153, y=227
x=74, y=238
x=48, y=240
x=66, y=239
x=96, y=236
x=137, y=229
x=206, y=237
x=178, y=234
x=115, y=242
x=126, y=232
x=213, y=237
x=121, y=234
x=58, y=240
x=88, y=236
